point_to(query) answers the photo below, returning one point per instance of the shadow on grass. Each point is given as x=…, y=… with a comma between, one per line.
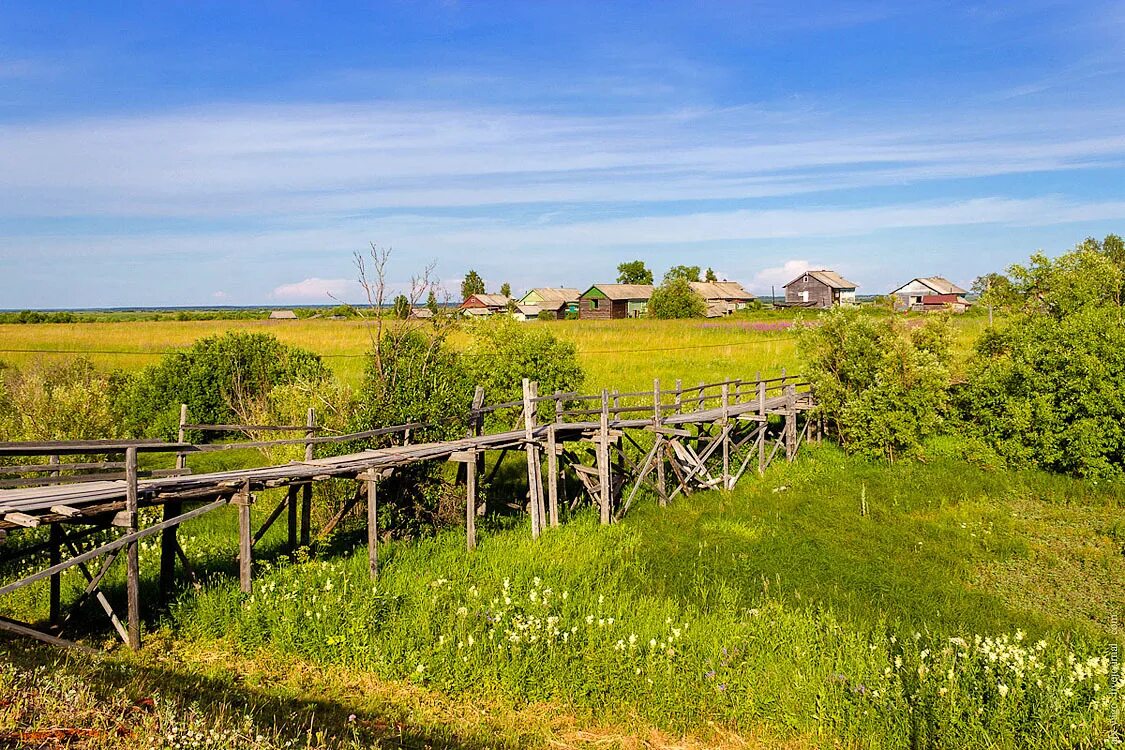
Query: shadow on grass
x=126, y=689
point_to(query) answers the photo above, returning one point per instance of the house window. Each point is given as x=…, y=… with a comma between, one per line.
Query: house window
x=593, y=304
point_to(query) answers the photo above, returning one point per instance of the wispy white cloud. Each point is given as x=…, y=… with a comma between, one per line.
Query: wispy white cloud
x=776, y=276
x=316, y=290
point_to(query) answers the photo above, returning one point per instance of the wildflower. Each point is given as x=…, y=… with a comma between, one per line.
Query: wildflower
x=1003, y=689
x=898, y=662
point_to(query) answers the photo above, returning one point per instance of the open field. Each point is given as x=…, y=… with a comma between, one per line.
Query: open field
x=622, y=354
x=833, y=602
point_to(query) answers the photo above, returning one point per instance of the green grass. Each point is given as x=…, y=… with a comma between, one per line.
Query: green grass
x=748, y=609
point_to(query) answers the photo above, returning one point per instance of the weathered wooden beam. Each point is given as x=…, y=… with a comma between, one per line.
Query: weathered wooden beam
x=373, y=528
x=21, y=628
x=132, y=551
x=243, y=500
x=552, y=478
x=471, y=505
x=605, y=476
x=534, y=480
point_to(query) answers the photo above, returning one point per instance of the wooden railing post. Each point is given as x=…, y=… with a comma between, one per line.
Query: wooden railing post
x=552, y=478
x=372, y=526
x=725, y=432
x=534, y=478
x=763, y=425
x=307, y=490
x=56, y=558
x=168, y=541
x=605, y=475
x=790, y=422
x=471, y=502
x=132, y=551
x=243, y=500
x=679, y=396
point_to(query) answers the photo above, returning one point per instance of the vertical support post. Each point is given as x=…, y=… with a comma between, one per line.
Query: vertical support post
x=604, y=472
x=726, y=435
x=307, y=489
x=471, y=503
x=790, y=423
x=132, y=551
x=552, y=478
x=534, y=486
x=181, y=458
x=168, y=543
x=679, y=396
x=372, y=526
x=242, y=501
x=56, y=558
x=558, y=407
x=657, y=419
x=478, y=430
x=763, y=424
x=56, y=579
x=291, y=517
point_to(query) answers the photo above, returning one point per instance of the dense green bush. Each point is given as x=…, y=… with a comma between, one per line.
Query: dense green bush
x=1048, y=389
x=882, y=386
x=504, y=352
x=676, y=299
x=216, y=377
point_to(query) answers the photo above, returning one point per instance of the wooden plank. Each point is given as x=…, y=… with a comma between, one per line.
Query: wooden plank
x=132, y=552
x=20, y=628
x=76, y=447
x=87, y=466
x=22, y=519
x=65, y=510
x=118, y=543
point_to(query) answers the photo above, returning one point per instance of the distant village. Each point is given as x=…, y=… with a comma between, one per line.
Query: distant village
x=819, y=289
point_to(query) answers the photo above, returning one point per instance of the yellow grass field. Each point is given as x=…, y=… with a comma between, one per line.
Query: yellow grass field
x=622, y=354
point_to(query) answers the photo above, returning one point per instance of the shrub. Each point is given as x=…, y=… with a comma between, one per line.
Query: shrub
x=883, y=387
x=1048, y=389
x=547, y=315
x=504, y=353
x=216, y=377
x=68, y=400
x=676, y=299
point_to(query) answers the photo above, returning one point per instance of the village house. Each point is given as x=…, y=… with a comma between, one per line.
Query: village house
x=484, y=304
x=821, y=289
x=559, y=300
x=930, y=293
x=526, y=313
x=612, y=301
x=722, y=297
x=283, y=315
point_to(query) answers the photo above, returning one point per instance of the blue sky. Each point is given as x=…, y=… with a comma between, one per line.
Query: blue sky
x=239, y=153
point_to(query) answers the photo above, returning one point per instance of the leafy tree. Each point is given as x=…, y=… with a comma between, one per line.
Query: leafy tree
x=676, y=299
x=687, y=273
x=1048, y=389
x=506, y=289
x=633, y=272
x=215, y=377
x=401, y=309
x=710, y=275
x=995, y=289
x=431, y=302
x=343, y=311
x=882, y=387
x=473, y=284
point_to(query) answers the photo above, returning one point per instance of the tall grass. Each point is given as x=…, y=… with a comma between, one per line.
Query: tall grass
x=703, y=612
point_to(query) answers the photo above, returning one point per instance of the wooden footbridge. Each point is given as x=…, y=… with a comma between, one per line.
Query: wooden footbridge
x=671, y=441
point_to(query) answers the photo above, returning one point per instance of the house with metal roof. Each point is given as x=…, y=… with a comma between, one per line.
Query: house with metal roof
x=722, y=297
x=820, y=289
x=612, y=301
x=559, y=300
x=912, y=295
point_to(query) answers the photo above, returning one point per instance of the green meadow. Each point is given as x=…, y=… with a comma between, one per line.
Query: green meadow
x=833, y=602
